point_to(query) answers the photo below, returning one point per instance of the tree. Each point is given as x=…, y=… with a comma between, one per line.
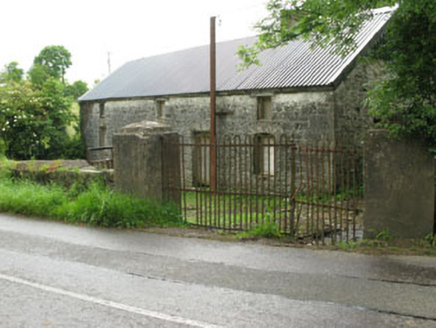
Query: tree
x=52, y=61
x=33, y=121
x=405, y=99
x=11, y=73
x=35, y=113
x=38, y=74
x=77, y=89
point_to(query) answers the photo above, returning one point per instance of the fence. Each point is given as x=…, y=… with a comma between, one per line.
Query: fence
x=100, y=157
x=310, y=192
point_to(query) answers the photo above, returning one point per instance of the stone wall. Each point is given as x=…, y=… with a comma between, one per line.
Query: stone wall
x=303, y=115
x=138, y=161
x=62, y=172
x=399, y=187
x=351, y=115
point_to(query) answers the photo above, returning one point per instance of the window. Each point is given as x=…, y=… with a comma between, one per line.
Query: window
x=102, y=136
x=101, y=107
x=160, y=104
x=264, y=108
x=264, y=155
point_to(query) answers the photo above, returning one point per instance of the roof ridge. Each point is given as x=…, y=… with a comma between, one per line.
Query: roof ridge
x=384, y=10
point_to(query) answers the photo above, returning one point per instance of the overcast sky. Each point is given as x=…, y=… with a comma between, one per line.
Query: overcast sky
x=128, y=29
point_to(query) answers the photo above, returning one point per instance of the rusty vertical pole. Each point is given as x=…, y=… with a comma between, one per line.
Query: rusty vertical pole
x=212, y=104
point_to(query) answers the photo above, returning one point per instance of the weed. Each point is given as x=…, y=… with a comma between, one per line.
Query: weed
x=384, y=236
x=430, y=239
x=44, y=168
x=268, y=229
x=346, y=246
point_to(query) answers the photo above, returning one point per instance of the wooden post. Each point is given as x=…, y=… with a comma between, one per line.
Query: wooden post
x=212, y=104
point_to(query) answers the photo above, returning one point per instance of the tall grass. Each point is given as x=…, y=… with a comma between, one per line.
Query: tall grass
x=93, y=205
x=26, y=197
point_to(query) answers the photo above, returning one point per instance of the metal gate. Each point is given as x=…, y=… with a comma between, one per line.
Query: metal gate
x=308, y=191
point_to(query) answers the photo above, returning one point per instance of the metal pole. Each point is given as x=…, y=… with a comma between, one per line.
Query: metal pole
x=212, y=104
x=109, y=62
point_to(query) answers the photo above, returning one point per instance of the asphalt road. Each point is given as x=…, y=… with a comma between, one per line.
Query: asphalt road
x=55, y=275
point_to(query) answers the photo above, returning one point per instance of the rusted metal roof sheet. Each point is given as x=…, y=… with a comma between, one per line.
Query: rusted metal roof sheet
x=293, y=65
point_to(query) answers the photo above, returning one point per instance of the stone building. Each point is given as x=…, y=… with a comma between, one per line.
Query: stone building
x=307, y=94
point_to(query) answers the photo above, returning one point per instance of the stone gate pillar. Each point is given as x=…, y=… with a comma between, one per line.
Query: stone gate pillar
x=399, y=187
x=139, y=166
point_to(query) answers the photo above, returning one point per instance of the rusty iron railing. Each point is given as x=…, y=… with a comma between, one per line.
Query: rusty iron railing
x=310, y=192
x=101, y=157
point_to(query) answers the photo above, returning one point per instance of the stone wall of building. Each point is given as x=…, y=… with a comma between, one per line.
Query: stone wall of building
x=351, y=115
x=305, y=116
x=89, y=118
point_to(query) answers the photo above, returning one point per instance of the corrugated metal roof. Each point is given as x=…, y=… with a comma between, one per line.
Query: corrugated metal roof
x=187, y=71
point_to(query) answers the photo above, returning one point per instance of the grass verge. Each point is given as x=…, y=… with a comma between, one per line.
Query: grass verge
x=397, y=246
x=93, y=205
